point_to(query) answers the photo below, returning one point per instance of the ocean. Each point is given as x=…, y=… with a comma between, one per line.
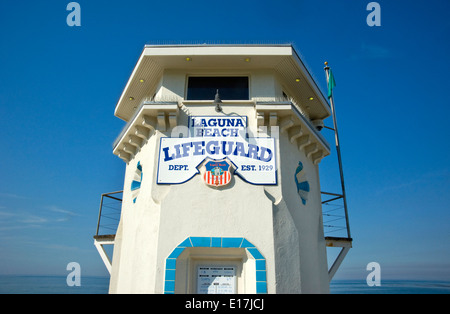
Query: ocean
x=390, y=287
x=52, y=285
x=99, y=285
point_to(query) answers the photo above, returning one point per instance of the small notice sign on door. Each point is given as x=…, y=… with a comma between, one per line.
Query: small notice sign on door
x=216, y=280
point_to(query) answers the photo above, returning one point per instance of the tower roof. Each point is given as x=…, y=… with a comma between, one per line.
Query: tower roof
x=281, y=58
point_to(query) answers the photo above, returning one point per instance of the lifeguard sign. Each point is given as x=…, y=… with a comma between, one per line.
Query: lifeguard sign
x=217, y=138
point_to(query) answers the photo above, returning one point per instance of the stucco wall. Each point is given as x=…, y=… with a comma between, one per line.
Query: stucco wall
x=288, y=233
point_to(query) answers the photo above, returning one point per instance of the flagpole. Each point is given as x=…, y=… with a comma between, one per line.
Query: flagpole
x=338, y=150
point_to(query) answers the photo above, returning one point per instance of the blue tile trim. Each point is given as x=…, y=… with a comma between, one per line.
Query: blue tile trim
x=224, y=242
x=256, y=254
x=175, y=253
x=246, y=244
x=170, y=274
x=261, y=287
x=216, y=242
x=171, y=263
x=261, y=275
x=169, y=286
x=201, y=241
x=185, y=243
x=231, y=242
x=260, y=264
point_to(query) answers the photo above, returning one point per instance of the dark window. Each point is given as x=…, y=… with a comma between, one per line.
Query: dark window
x=230, y=88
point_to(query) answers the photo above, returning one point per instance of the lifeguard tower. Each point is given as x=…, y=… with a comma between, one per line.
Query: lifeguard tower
x=221, y=195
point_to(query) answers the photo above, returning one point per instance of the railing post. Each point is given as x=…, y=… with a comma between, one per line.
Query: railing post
x=99, y=214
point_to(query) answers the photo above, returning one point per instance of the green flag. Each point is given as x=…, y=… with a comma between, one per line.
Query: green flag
x=331, y=84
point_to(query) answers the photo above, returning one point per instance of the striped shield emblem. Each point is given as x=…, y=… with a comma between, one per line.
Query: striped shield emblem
x=217, y=173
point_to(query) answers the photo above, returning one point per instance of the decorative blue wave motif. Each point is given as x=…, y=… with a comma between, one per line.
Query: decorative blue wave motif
x=302, y=183
x=136, y=183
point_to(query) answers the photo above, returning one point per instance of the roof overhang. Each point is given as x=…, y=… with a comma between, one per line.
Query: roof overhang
x=283, y=59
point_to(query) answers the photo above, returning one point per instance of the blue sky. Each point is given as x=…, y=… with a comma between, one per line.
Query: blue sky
x=59, y=86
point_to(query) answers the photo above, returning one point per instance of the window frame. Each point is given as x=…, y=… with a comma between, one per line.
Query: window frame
x=219, y=76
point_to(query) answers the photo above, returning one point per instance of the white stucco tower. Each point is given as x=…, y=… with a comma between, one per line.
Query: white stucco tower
x=221, y=194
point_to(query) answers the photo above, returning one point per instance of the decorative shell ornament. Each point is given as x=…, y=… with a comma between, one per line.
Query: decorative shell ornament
x=301, y=183
x=136, y=183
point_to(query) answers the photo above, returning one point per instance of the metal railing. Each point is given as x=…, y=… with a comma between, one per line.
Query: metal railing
x=109, y=213
x=335, y=220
